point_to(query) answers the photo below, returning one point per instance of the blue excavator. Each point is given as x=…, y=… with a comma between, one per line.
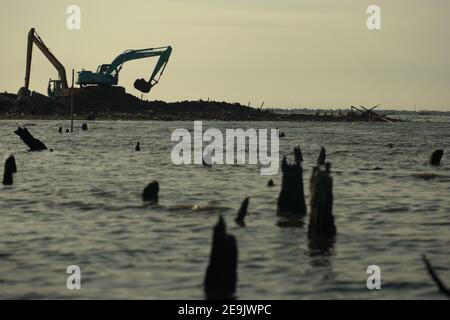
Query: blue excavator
x=108, y=74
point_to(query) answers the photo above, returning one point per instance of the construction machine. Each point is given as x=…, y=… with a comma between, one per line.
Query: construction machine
x=108, y=74
x=101, y=82
x=55, y=87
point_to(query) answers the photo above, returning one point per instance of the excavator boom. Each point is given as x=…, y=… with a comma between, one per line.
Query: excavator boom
x=33, y=38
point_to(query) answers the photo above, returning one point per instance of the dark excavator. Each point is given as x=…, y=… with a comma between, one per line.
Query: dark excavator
x=106, y=76
x=55, y=87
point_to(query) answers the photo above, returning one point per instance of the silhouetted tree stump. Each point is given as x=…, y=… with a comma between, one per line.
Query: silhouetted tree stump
x=10, y=169
x=221, y=274
x=436, y=157
x=322, y=157
x=32, y=143
x=321, y=222
x=150, y=193
x=292, y=196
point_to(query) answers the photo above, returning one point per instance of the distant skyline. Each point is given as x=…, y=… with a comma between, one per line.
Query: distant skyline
x=287, y=53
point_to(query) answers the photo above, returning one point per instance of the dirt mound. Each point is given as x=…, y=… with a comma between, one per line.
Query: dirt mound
x=35, y=104
x=115, y=103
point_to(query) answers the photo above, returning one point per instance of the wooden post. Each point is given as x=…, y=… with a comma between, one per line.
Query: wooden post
x=291, y=200
x=71, y=101
x=436, y=157
x=221, y=274
x=321, y=222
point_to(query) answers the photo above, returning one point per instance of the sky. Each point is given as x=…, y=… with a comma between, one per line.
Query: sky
x=285, y=53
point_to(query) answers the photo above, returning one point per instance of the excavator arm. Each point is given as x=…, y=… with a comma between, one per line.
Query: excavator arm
x=141, y=84
x=33, y=38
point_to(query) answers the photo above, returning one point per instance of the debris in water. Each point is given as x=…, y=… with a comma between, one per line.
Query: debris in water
x=242, y=213
x=425, y=176
x=372, y=169
x=434, y=276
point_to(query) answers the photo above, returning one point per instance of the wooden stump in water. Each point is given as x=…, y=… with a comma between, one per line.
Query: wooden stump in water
x=322, y=157
x=150, y=193
x=221, y=274
x=10, y=168
x=33, y=143
x=321, y=222
x=291, y=200
x=436, y=157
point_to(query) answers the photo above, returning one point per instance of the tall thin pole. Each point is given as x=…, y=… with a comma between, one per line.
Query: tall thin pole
x=71, y=101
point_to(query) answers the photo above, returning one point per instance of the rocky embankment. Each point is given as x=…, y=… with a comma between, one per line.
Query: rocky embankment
x=116, y=105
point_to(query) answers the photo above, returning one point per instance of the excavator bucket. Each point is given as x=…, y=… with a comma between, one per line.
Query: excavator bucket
x=142, y=85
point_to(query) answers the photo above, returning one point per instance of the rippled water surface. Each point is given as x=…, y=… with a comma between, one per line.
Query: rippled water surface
x=80, y=205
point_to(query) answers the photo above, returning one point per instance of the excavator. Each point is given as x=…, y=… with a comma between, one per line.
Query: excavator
x=108, y=74
x=55, y=87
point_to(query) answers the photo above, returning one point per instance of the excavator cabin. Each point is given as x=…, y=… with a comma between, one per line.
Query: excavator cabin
x=55, y=88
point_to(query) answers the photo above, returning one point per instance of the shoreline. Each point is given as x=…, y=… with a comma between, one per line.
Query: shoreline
x=92, y=105
x=171, y=118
